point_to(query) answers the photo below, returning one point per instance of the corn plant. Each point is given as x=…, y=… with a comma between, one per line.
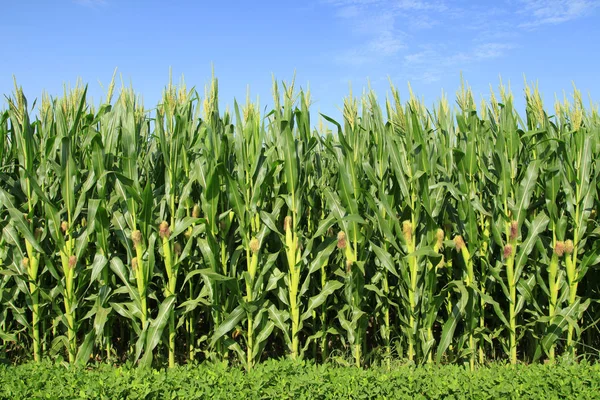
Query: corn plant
x=176, y=130
x=248, y=195
x=185, y=233
x=294, y=148
x=379, y=171
x=579, y=186
x=217, y=242
x=26, y=263
x=348, y=205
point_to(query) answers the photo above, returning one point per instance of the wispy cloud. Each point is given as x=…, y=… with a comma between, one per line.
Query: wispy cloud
x=490, y=50
x=420, y=5
x=427, y=39
x=387, y=43
x=430, y=64
x=422, y=23
x=390, y=9
x=91, y=3
x=544, y=12
x=375, y=24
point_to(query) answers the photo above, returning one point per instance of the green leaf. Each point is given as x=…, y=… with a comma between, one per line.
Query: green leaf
x=526, y=187
x=228, y=324
x=280, y=318
x=18, y=221
x=98, y=265
x=535, y=228
x=156, y=328
x=452, y=321
x=317, y=300
x=385, y=258
x=85, y=349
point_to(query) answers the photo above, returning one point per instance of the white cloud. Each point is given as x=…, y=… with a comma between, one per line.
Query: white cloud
x=421, y=5
x=353, y=57
x=424, y=22
x=431, y=63
x=427, y=39
x=544, y=12
x=387, y=44
x=350, y=11
x=491, y=50
x=357, y=8
x=375, y=25
x=420, y=57
x=91, y=3
x=428, y=77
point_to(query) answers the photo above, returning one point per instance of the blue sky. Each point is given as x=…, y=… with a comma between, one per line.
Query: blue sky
x=329, y=43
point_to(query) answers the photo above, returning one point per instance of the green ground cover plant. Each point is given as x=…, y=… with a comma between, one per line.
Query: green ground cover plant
x=460, y=234
x=288, y=379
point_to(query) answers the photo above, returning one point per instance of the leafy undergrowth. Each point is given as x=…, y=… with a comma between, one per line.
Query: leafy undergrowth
x=289, y=380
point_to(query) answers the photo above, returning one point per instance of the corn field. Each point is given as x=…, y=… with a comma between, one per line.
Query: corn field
x=454, y=234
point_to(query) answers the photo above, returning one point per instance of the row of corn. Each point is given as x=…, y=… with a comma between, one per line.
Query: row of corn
x=457, y=234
